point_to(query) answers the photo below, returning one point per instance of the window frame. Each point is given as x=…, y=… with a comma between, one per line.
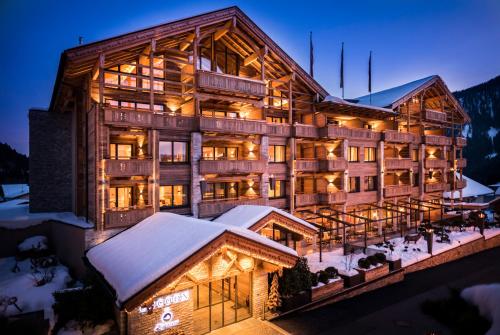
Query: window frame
x=367, y=183
x=357, y=186
x=282, y=194
x=366, y=152
x=356, y=148
x=185, y=188
x=273, y=159
x=172, y=146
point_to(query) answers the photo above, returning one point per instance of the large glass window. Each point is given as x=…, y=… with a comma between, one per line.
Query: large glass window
x=277, y=190
x=134, y=105
x=274, y=119
x=120, y=197
x=220, y=153
x=173, y=152
x=277, y=153
x=414, y=155
x=370, y=154
x=353, y=154
x=222, y=190
x=354, y=184
x=120, y=151
x=121, y=75
x=174, y=196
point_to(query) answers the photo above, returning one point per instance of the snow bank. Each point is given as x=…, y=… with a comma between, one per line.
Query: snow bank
x=487, y=299
x=37, y=242
x=337, y=260
x=12, y=191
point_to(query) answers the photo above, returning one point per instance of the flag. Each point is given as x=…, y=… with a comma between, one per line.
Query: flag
x=342, y=69
x=311, y=55
x=370, y=73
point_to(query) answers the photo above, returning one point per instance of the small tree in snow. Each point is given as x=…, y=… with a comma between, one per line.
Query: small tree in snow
x=274, y=299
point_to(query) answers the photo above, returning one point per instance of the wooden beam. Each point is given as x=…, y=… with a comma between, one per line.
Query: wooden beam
x=223, y=31
x=250, y=59
x=283, y=80
x=187, y=42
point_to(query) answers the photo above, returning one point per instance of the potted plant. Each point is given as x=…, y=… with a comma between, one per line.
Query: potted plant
x=373, y=267
x=350, y=275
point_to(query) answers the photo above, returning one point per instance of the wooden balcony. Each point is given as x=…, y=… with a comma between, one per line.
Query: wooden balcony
x=398, y=163
x=277, y=168
x=334, y=131
x=124, y=117
x=437, y=140
x=307, y=165
x=461, y=163
x=397, y=190
x=333, y=198
x=435, y=187
x=434, y=116
x=128, y=167
x=279, y=129
x=225, y=83
x=435, y=163
x=305, y=130
x=306, y=199
x=126, y=217
x=398, y=137
x=460, y=141
x=461, y=183
x=331, y=165
x=175, y=122
x=233, y=126
x=216, y=207
x=232, y=166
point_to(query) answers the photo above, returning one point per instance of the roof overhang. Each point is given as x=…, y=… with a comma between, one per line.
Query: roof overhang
x=343, y=107
x=293, y=225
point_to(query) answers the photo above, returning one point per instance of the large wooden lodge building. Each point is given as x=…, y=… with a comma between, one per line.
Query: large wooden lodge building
x=204, y=114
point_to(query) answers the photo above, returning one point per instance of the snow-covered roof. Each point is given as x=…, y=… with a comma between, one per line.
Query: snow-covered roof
x=138, y=256
x=472, y=189
x=15, y=214
x=387, y=97
x=246, y=216
x=360, y=104
x=494, y=185
x=12, y=191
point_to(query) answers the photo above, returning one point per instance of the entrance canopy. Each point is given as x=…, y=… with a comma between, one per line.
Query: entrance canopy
x=257, y=217
x=164, y=247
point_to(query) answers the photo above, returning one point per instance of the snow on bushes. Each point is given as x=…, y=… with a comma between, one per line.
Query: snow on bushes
x=487, y=299
x=34, y=243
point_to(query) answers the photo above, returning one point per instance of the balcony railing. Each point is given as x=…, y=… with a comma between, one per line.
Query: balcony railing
x=397, y=136
x=126, y=217
x=331, y=165
x=461, y=183
x=226, y=83
x=232, y=166
x=432, y=115
x=175, y=122
x=229, y=125
x=460, y=141
x=128, y=167
x=219, y=206
x=435, y=163
x=307, y=165
x=396, y=190
x=124, y=117
x=398, y=163
x=305, y=130
x=333, y=198
x=279, y=129
x=437, y=140
x=334, y=131
x=461, y=163
x=306, y=199
x=435, y=187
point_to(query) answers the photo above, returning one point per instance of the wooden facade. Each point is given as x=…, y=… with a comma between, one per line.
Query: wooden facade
x=252, y=125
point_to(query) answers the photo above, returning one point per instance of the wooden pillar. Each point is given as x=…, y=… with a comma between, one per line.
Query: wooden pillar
x=196, y=100
x=151, y=76
x=290, y=109
x=291, y=167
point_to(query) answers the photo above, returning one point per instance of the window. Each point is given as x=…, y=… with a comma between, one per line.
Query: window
x=353, y=154
x=120, y=151
x=134, y=105
x=173, y=152
x=354, y=184
x=370, y=183
x=277, y=153
x=414, y=155
x=370, y=154
x=277, y=190
x=220, y=153
x=172, y=196
x=223, y=190
x=216, y=113
x=120, y=76
x=415, y=181
x=120, y=197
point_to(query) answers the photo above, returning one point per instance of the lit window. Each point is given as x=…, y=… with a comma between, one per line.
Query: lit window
x=277, y=153
x=174, y=196
x=354, y=185
x=370, y=183
x=353, y=154
x=277, y=190
x=120, y=197
x=370, y=154
x=173, y=152
x=120, y=151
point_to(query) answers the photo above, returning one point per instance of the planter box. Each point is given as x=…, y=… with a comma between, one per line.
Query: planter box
x=394, y=265
x=371, y=274
x=350, y=281
x=289, y=303
x=327, y=290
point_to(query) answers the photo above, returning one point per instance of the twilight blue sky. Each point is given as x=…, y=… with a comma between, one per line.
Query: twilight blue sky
x=410, y=39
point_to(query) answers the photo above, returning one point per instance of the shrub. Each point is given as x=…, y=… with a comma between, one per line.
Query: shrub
x=296, y=279
x=323, y=277
x=380, y=257
x=372, y=259
x=314, y=279
x=332, y=272
x=363, y=263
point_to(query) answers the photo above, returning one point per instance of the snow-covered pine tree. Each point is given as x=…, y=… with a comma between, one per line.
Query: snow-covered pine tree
x=274, y=299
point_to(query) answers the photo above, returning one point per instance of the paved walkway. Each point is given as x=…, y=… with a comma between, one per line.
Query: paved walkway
x=250, y=326
x=396, y=309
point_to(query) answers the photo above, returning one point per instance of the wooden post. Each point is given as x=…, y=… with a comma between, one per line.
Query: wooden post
x=151, y=76
x=195, y=69
x=290, y=92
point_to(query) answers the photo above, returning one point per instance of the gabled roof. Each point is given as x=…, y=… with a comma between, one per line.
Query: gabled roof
x=139, y=256
x=246, y=216
x=472, y=189
x=387, y=98
x=338, y=105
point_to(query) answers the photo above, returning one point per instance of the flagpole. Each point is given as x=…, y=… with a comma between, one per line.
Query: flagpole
x=370, y=76
x=342, y=70
x=311, y=55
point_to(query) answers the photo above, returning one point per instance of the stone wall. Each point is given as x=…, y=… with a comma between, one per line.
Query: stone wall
x=50, y=161
x=259, y=293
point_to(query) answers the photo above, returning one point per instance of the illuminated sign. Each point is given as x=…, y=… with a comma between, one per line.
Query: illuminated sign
x=167, y=320
x=165, y=301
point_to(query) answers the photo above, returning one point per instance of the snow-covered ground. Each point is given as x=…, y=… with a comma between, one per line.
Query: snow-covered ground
x=74, y=328
x=22, y=286
x=491, y=232
x=344, y=264
x=332, y=280
x=486, y=298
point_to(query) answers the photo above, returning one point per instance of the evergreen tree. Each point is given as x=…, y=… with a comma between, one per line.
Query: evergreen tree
x=274, y=299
